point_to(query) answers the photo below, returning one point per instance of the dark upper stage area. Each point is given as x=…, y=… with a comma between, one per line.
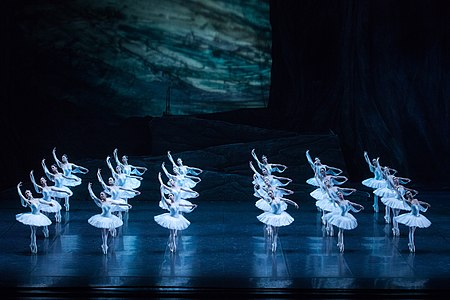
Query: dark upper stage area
x=375, y=73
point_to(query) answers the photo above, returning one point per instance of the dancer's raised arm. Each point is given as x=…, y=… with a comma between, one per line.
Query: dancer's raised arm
x=170, y=176
x=310, y=161
x=23, y=199
x=102, y=182
x=58, y=162
x=97, y=200
x=37, y=187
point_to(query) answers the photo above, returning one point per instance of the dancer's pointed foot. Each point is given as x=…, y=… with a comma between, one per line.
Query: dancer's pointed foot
x=375, y=208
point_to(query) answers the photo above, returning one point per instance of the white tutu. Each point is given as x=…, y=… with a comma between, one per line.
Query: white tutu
x=312, y=181
x=50, y=209
x=100, y=221
x=395, y=203
x=115, y=207
x=126, y=194
x=265, y=206
x=347, y=222
x=385, y=192
x=167, y=221
x=38, y=219
x=73, y=181
x=276, y=220
x=56, y=194
x=413, y=221
x=132, y=183
x=374, y=183
x=326, y=204
x=319, y=194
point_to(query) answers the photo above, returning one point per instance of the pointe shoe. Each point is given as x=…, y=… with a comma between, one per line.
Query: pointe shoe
x=411, y=247
x=105, y=249
x=395, y=231
x=67, y=206
x=274, y=247
x=375, y=208
x=33, y=248
x=387, y=219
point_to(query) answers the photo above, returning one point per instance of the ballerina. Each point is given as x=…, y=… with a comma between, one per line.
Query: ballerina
x=173, y=220
x=377, y=181
x=106, y=221
x=328, y=203
x=48, y=192
x=59, y=179
x=342, y=218
x=117, y=193
x=316, y=165
x=34, y=218
x=128, y=169
x=69, y=169
x=122, y=179
x=273, y=180
x=414, y=219
x=264, y=164
x=187, y=181
x=180, y=194
x=262, y=193
x=389, y=189
x=183, y=169
x=397, y=202
x=276, y=218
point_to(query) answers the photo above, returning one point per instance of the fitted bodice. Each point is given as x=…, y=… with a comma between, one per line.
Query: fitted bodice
x=276, y=206
x=46, y=193
x=106, y=210
x=173, y=210
x=67, y=169
x=121, y=179
x=416, y=209
x=34, y=206
x=378, y=174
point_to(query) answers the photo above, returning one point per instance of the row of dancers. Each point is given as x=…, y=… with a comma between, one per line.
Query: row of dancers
x=329, y=195
x=336, y=209
x=271, y=191
x=174, y=195
x=48, y=202
x=396, y=198
x=113, y=199
x=268, y=188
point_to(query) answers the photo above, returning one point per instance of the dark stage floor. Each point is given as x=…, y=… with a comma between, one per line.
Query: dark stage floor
x=223, y=252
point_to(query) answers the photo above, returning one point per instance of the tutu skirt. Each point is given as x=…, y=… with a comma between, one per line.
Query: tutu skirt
x=374, y=183
x=384, y=192
x=33, y=219
x=167, y=221
x=115, y=207
x=413, y=221
x=326, y=205
x=265, y=206
x=318, y=194
x=73, y=181
x=395, y=203
x=50, y=209
x=347, y=222
x=276, y=220
x=100, y=221
x=61, y=194
x=312, y=181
